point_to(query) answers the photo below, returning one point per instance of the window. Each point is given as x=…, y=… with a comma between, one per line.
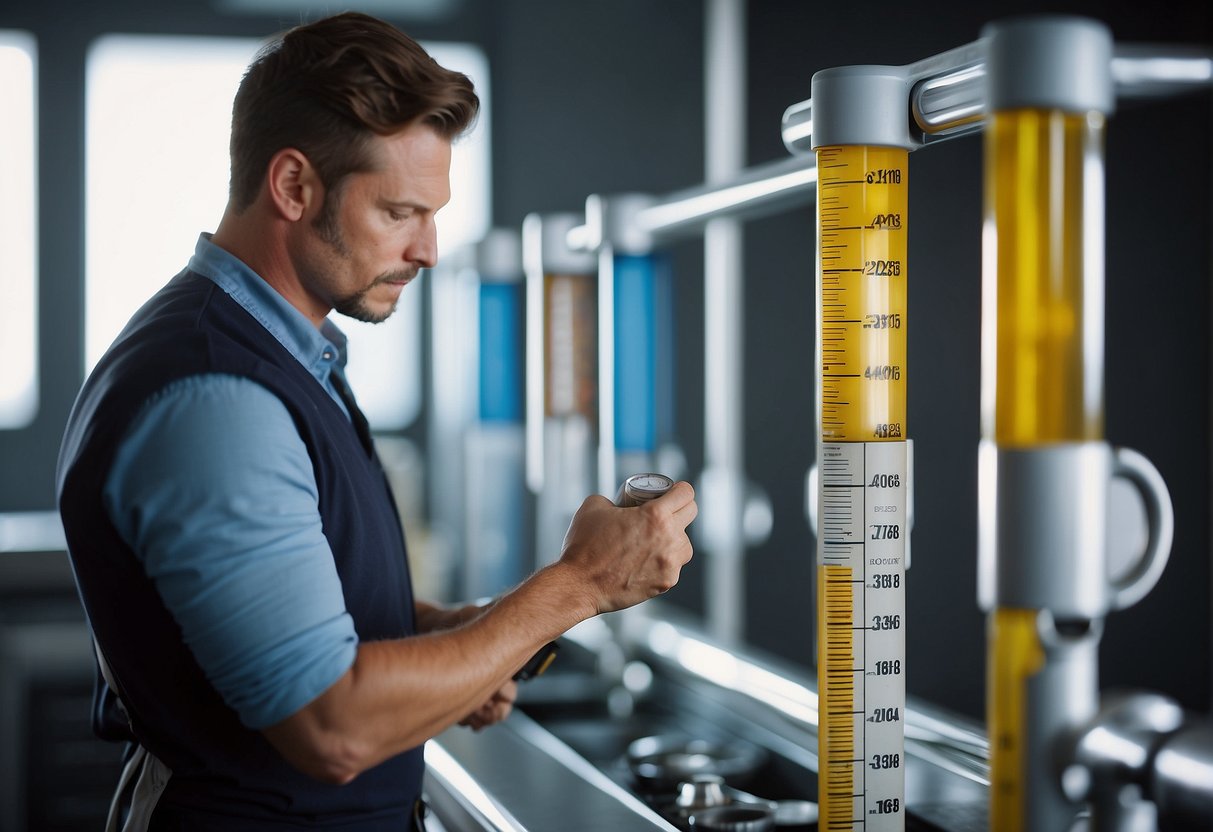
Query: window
x=157, y=125
x=18, y=232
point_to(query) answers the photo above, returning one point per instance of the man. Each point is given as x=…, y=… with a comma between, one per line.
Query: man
x=234, y=540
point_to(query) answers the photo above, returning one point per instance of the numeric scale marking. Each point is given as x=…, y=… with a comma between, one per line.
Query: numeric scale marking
x=862, y=488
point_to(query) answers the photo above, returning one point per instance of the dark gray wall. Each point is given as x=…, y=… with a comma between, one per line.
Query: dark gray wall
x=607, y=97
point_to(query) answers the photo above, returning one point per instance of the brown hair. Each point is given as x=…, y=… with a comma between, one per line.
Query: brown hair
x=325, y=88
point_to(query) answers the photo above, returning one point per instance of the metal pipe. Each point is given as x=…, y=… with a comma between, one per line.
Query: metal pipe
x=606, y=370
x=944, y=104
x=763, y=189
x=724, y=435
x=953, y=103
x=1154, y=72
x=948, y=94
x=949, y=103
x=532, y=266
x=755, y=192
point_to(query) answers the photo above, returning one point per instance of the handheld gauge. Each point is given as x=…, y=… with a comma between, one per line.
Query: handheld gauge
x=641, y=488
x=861, y=546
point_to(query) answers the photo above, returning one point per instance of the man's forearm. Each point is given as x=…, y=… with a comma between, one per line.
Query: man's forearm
x=400, y=693
x=433, y=617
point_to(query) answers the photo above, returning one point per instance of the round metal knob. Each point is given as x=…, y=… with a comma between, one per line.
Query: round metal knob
x=702, y=792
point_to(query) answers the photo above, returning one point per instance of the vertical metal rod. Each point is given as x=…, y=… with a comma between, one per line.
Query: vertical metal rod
x=606, y=370
x=532, y=264
x=724, y=152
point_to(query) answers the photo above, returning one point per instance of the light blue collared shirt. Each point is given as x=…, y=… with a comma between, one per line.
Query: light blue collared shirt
x=214, y=490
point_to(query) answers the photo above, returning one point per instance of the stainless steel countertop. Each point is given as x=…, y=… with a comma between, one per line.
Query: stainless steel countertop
x=517, y=776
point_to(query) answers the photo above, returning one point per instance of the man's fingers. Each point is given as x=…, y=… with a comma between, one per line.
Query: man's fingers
x=680, y=496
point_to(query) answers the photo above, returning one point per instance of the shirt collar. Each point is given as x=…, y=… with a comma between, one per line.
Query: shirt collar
x=319, y=350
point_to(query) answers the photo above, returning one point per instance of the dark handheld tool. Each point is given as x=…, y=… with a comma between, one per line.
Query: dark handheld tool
x=538, y=663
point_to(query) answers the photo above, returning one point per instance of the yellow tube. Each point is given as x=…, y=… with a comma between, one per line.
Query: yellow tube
x=1015, y=655
x=862, y=209
x=1043, y=379
x=1048, y=387
x=862, y=274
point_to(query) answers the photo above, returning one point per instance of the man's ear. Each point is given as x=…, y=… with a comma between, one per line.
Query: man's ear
x=292, y=183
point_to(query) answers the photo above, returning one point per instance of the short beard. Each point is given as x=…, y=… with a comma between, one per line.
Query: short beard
x=353, y=306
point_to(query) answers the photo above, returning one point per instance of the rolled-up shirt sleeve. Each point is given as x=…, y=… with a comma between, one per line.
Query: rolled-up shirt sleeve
x=214, y=490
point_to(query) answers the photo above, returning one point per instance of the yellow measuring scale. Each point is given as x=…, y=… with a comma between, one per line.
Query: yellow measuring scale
x=1044, y=391
x=861, y=276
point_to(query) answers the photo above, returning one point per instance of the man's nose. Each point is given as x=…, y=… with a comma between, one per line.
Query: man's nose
x=423, y=249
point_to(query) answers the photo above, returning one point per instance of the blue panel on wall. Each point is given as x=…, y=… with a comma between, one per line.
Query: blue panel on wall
x=500, y=354
x=636, y=337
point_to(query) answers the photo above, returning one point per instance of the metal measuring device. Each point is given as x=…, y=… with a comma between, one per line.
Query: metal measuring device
x=641, y=488
x=1044, y=466
x=862, y=273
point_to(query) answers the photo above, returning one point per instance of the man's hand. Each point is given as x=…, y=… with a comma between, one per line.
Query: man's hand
x=628, y=555
x=493, y=711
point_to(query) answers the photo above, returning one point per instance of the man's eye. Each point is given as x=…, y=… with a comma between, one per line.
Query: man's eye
x=397, y=216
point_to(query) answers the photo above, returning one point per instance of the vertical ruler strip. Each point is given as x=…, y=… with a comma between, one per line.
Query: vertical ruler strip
x=862, y=521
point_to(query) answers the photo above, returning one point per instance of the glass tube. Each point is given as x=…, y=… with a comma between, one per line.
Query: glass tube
x=1042, y=352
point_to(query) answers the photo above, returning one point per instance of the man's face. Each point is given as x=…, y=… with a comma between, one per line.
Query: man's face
x=376, y=229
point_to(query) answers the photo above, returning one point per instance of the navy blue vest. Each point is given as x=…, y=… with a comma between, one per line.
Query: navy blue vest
x=223, y=771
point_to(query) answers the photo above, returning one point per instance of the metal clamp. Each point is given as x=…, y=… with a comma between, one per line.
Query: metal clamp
x=1058, y=561
x=1160, y=527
